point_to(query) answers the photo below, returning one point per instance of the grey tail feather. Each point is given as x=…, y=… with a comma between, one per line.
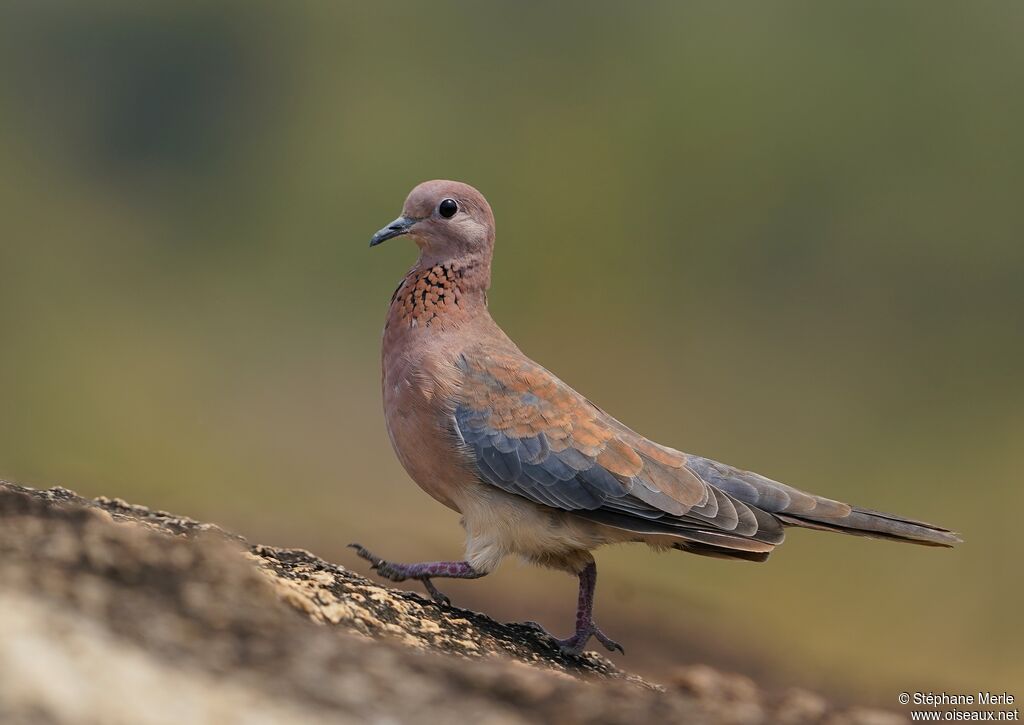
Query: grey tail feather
x=878, y=525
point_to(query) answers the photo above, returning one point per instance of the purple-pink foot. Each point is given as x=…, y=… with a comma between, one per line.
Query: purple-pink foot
x=421, y=572
x=585, y=627
x=386, y=569
x=577, y=643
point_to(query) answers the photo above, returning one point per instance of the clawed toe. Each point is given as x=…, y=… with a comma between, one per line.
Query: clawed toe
x=609, y=644
x=384, y=568
x=566, y=646
x=536, y=627
x=363, y=553
x=575, y=645
x=435, y=593
x=572, y=646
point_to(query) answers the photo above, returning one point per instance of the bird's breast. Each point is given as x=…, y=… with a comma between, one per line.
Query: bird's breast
x=419, y=384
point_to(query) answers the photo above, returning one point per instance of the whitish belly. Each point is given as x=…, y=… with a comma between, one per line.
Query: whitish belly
x=499, y=524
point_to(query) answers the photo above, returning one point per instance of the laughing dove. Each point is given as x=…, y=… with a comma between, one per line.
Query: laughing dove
x=535, y=468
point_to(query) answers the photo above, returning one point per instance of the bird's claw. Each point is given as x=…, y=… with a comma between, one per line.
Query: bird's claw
x=398, y=573
x=435, y=593
x=575, y=645
x=363, y=553
x=384, y=568
x=609, y=644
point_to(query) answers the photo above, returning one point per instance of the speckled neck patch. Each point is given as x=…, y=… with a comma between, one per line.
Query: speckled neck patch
x=426, y=293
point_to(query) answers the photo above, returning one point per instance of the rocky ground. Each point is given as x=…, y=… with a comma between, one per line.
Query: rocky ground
x=113, y=613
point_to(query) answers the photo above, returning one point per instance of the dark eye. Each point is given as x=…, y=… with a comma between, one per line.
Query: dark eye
x=447, y=208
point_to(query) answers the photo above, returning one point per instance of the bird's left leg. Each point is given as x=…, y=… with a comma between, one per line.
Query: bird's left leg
x=422, y=571
x=585, y=627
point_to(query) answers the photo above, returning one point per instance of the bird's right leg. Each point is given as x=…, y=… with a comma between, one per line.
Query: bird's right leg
x=585, y=626
x=423, y=571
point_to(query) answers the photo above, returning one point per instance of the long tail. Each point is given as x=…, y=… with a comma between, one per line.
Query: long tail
x=877, y=525
x=797, y=508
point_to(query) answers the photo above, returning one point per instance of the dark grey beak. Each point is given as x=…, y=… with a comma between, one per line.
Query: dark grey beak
x=397, y=228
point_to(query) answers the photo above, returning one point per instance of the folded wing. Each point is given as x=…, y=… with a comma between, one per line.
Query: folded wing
x=532, y=435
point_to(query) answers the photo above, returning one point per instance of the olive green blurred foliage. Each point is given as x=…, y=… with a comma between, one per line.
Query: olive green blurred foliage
x=785, y=235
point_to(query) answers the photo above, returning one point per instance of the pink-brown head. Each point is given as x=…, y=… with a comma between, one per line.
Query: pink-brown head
x=447, y=220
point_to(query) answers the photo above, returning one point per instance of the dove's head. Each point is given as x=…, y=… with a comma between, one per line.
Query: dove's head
x=447, y=220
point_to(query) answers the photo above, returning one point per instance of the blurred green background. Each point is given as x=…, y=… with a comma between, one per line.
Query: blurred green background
x=787, y=236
